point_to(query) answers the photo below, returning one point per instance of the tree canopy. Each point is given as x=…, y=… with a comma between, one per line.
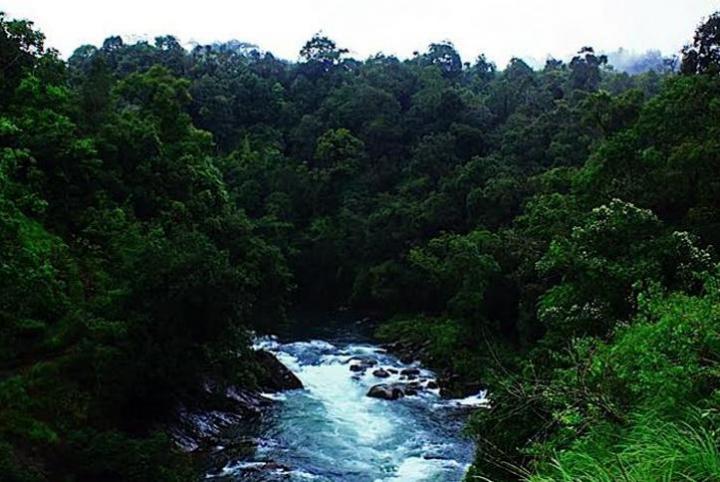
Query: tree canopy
x=545, y=232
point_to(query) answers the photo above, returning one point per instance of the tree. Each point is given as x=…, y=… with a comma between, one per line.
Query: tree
x=321, y=53
x=482, y=72
x=585, y=69
x=20, y=48
x=461, y=269
x=170, y=54
x=617, y=248
x=703, y=55
x=444, y=56
x=338, y=150
x=542, y=231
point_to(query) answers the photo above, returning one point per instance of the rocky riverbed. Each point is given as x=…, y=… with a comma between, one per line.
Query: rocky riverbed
x=362, y=415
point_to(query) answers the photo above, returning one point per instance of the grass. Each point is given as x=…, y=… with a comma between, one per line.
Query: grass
x=652, y=449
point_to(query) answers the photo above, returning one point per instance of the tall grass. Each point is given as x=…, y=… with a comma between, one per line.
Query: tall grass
x=652, y=449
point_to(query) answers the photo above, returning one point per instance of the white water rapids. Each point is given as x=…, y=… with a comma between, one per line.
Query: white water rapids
x=330, y=431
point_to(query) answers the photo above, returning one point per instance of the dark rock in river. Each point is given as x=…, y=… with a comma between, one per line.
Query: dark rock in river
x=410, y=372
x=363, y=360
x=276, y=376
x=453, y=386
x=407, y=359
x=381, y=373
x=195, y=430
x=201, y=423
x=386, y=392
x=393, y=391
x=472, y=388
x=360, y=364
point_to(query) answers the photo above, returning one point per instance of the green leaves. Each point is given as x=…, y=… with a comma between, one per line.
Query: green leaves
x=614, y=247
x=648, y=375
x=20, y=48
x=338, y=150
x=545, y=231
x=702, y=56
x=127, y=273
x=460, y=268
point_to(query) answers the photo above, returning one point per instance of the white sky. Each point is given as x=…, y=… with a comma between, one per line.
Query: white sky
x=531, y=29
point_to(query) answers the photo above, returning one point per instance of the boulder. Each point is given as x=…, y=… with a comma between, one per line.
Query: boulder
x=452, y=386
x=381, y=373
x=363, y=360
x=200, y=423
x=246, y=401
x=276, y=377
x=393, y=391
x=386, y=392
x=360, y=364
x=410, y=372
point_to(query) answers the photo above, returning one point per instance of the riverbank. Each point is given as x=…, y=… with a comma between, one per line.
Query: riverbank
x=442, y=345
x=207, y=425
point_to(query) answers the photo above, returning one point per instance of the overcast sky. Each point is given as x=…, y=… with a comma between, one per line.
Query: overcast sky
x=501, y=29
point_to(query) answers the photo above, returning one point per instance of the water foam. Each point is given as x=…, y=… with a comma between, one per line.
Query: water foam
x=331, y=431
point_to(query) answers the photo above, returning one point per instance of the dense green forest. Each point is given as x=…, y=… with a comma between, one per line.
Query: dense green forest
x=545, y=233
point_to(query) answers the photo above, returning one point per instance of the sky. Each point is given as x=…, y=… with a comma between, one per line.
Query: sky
x=502, y=29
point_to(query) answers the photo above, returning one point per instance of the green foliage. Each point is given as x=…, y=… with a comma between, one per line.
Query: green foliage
x=665, y=161
x=544, y=232
x=646, y=377
x=322, y=50
x=702, y=56
x=21, y=46
x=127, y=274
x=601, y=260
x=460, y=269
x=338, y=151
x=447, y=346
x=650, y=449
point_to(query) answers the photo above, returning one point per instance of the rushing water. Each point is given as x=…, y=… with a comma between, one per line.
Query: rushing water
x=331, y=431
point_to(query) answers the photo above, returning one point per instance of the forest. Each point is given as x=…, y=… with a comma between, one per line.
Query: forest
x=545, y=233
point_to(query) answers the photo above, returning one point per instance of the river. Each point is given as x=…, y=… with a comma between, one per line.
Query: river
x=331, y=431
